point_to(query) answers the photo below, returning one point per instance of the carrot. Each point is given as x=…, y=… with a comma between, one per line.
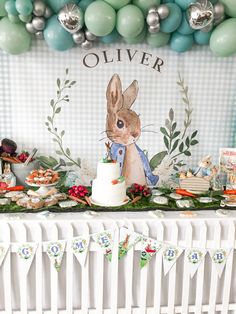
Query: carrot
x=87, y=199
x=77, y=200
x=136, y=199
x=184, y=193
x=230, y=192
x=13, y=188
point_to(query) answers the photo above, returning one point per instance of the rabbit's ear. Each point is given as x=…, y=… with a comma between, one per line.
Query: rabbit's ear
x=114, y=94
x=130, y=94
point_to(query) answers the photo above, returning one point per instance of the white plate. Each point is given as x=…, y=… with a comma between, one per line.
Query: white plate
x=39, y=185
x=103, y=205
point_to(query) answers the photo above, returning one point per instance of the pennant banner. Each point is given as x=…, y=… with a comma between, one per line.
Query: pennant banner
x=127, y=240
x=80, y=247
x=55, y=251
x=4, y=247
x=219, y=258
x=105, y=240
x=149, y=248
x=194, y=256
x=26, y=254
x=170, y=255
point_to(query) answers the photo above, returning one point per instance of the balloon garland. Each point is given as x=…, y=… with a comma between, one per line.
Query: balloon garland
x=64, y=24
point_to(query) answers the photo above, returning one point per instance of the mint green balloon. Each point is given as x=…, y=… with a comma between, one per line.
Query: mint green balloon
x=100, y=18
x=13, y=18
x=14, y=38
x=117, y=4
x=138, y=39
x=230, y=7
x=223, y=39
x=3, y=11
x=130, y=21
x=145, y=5
x=56, y=5
x=158, y=40
x=184, y=4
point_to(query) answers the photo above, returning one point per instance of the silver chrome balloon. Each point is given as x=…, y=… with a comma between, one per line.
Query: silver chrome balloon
x=152, y=19
x=87, y=45
x=154, y=29
x=48, y=13
x=153, y=9
x=39, y=8
x=30, y=28
x=78, y=37
x=38, y=23
x=200, y=14
x=71, y=18
x=163, y=11
x=219, y=13
x=90, y=36
x=39, y=35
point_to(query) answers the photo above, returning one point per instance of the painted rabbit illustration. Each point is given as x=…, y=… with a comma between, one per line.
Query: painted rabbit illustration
x=123, y=128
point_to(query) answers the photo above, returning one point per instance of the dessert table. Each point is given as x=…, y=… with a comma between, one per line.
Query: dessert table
x=117, y=286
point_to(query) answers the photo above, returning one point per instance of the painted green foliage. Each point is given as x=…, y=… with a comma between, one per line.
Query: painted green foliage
x=178, y=142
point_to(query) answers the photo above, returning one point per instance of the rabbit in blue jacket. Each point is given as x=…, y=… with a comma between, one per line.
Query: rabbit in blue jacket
x=123, y=128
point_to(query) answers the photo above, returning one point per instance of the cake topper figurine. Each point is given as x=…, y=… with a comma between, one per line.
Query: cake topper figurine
x=123, y=128
x=108, y=154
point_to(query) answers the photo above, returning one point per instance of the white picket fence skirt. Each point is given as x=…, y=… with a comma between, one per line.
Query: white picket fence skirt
x=118, y=287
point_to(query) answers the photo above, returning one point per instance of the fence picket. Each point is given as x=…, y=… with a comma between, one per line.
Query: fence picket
x=54, y=274
x=158, y=270
x=172, y=273
x=186, y=275
x=69, y=272
x=143, y=278
x=100, y=277
x=214, y=274
x=85, y=279
x=38, y=269
x=228, y=269
x=6, y=237
x=114, y=271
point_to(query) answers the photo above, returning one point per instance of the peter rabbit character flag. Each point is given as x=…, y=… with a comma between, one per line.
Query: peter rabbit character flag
x=26, y=254
x=55, y=251
x=123, y=128
x=127, y=240
x=4, y=247
x=170, y=254
x=79, y=247
x=195, y=256
x=149, y=248
x=105, y=240
x=219, y=258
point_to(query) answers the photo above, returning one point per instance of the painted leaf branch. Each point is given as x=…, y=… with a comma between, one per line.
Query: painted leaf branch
x=177, y=142
x=56, y=107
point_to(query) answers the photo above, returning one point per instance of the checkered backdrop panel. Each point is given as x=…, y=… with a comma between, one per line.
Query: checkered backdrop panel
x=28, y=82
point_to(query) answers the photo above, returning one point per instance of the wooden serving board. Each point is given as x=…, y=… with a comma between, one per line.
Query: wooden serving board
x=195, y=184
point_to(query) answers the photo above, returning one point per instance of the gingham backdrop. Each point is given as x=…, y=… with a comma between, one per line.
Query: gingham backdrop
x=28, y=84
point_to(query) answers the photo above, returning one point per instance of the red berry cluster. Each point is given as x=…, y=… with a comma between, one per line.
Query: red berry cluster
x=78, y=191
x=23, y=156
x=137, y=189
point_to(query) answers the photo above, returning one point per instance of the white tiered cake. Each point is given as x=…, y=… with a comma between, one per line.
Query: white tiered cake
x=108, y=189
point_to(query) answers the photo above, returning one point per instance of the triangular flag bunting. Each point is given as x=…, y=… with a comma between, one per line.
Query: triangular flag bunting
x=149, y=248
x=3, y=251
x=79, y=246
x=219, y=258
x=170, y=255
x=55, y=251
x=26, y=254
x=105, y=240
x=127, y=240
x=194, y=257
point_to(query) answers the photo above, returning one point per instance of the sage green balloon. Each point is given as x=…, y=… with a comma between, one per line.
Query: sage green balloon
x=117, y=4
x=158, y=40
x=14, y=38
x=145, y=5
x=138, y=39
x=223, y=39
x=3, y=11
x=100, y=18
x=130, y=21
x=230, y=7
